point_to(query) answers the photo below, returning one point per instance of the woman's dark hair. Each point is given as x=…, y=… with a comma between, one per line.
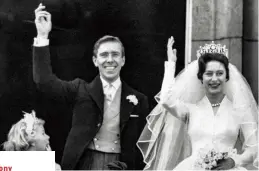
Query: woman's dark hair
x=207, y=57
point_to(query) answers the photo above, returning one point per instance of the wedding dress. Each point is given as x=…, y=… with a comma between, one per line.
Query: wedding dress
x=184, y=123
x=208, y=130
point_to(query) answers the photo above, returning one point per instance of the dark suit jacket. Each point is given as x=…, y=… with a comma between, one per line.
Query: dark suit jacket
x=88, y=100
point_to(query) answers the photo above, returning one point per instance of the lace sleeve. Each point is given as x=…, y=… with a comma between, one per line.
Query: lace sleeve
x=164, y=141
x=249, y=129
x=238, y=89
x=168, y=97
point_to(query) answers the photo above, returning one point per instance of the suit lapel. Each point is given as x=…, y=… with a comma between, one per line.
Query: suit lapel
x=126, y=107
x=96, y=91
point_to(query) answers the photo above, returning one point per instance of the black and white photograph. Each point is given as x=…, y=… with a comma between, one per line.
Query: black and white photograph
x=130, y=84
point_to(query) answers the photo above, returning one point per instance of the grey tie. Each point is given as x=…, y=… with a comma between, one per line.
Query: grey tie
x=109, y=94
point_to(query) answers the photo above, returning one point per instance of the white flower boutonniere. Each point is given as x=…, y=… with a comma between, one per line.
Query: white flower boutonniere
x=133, y=99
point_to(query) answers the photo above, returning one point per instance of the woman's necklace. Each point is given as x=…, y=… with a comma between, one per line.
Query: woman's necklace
x=215, y=104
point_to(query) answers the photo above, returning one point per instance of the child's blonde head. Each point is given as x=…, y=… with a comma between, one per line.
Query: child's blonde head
x=21, y=134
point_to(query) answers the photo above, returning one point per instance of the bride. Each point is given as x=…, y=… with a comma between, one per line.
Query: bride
x=209, y=105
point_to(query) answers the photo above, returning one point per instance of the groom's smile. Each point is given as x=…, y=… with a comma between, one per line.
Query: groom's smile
x=110, y=68
x=109, y=60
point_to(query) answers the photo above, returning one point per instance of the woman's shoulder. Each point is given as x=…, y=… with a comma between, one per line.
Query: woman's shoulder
x=186, y=109
x=191, y=106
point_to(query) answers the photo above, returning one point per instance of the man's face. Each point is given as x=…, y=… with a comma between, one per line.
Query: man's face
x=109, y=60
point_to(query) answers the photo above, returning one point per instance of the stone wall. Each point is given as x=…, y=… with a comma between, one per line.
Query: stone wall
x=250, y=44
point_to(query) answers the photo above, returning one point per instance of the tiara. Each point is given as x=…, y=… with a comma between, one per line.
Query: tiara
x=212, y=48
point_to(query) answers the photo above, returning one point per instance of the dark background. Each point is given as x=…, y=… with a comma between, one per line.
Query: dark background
x=142, y=25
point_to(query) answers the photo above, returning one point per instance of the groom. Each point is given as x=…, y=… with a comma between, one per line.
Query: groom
x=108, y=115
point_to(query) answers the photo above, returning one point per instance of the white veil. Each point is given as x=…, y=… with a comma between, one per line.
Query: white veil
x=164, y=141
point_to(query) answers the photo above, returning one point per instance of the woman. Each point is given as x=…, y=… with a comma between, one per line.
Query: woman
x=209, y=105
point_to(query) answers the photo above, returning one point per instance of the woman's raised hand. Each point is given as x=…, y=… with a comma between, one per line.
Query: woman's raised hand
x=171, y=53
x=42, y=21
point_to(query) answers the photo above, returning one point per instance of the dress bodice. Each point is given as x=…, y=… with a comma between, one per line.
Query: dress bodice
x=207, y=129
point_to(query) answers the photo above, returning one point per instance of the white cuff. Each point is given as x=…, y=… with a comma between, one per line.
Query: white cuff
x=171, y=63
x=39, y=42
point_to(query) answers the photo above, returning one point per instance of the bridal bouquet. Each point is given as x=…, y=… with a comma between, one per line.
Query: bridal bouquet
x=207, y=159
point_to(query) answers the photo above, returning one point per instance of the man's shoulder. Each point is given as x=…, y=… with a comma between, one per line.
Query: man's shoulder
x=80, y=82
x=134, y=91
x=140, y=94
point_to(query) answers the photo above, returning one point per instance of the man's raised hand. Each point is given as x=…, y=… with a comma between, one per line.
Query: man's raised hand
x=42, y=21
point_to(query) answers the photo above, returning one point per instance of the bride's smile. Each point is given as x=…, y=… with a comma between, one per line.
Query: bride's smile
x=214, y=77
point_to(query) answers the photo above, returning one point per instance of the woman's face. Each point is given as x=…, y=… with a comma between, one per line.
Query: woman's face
x=41, y=139
x=214, y=77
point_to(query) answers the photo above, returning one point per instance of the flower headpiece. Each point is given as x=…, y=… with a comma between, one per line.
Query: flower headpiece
x=30, y=119
x=212, y=48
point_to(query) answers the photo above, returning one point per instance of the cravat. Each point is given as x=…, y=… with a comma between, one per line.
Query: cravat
x=109, y=94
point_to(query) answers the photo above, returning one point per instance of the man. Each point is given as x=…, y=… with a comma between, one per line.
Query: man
x=108, y=115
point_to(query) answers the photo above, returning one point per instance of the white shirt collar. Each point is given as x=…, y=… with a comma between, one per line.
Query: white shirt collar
x=116, y=84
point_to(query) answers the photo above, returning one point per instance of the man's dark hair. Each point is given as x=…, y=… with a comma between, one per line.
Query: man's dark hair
x=105, y=39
